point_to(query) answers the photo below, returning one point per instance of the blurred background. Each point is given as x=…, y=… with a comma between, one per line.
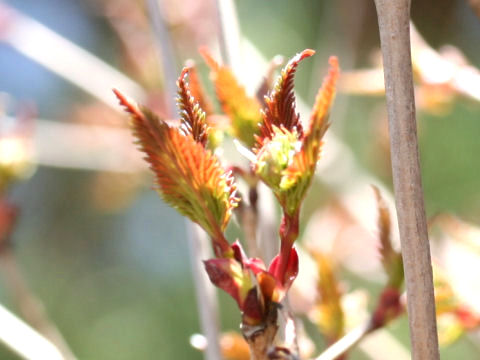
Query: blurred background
x=106, y=257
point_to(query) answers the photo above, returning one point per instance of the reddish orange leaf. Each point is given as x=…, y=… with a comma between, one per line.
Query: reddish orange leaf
x=267, y=82
x=298, y=176
x=280, y=104
x=243, y=110
x=391, y=259
x=321, y=110
x=193, y=117
x=228, y=275
x=197, y=90
x=190, y=178
x=329, y=314
x=291, y=268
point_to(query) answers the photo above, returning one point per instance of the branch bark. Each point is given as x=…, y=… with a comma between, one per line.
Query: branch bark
x=393, y=19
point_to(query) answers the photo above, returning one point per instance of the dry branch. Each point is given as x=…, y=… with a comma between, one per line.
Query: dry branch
x=394, y=21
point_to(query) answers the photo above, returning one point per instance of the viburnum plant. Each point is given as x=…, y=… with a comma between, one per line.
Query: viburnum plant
x=192, y=179
x=283, y=155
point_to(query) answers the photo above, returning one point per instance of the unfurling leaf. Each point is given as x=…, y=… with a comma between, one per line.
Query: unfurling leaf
x=286, y=156
x=389, y=307
x=196, y=88
x=236, y=276
x=229, y=276
x=298, y=175
x=280, y=104
x=319, y=119
x=391, y=259
x=267, y=289
x=267, y=82
x=289, y=274
x=193, y=117
x=242, y=110
x=212, y=128
x=274, y=157
x=190, y=178
x=328, y=313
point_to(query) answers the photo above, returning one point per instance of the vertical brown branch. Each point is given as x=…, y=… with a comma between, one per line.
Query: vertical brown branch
x=393, y=19
x=165, y=52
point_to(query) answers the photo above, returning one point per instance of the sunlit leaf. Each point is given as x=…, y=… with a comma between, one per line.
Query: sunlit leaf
x=243, y=110
x=275, y=156
x=280, y=108
x=197, y=90
x=291, y=269
x=328, y=313
x=267, y=82
x=228, y=275
x=391, y=259
x=190, y=178
x=192, y=116
x=298, y=175
x=319, y=119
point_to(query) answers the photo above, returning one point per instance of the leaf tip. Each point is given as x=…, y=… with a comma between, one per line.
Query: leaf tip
x=207, y=56
x=129, y=105
x=306, y=53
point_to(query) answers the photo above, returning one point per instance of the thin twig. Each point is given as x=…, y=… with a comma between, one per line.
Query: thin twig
x=63, y=57
x=24, y=340
x=229, y=35
x=346, y=342
x=165, y=52
x=29, y=305
x=262, y=340
x=205, y=293
x=198, y=241
x=248, y=220
x=87, y=147
x=381, y=345
x=393, y=19
x=230, y=43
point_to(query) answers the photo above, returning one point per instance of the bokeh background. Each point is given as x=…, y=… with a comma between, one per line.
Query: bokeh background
x=105, y=255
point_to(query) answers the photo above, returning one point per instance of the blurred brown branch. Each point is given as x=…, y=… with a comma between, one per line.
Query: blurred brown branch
x=394, y=21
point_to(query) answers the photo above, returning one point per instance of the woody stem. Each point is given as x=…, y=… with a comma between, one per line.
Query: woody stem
x=394, y=26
